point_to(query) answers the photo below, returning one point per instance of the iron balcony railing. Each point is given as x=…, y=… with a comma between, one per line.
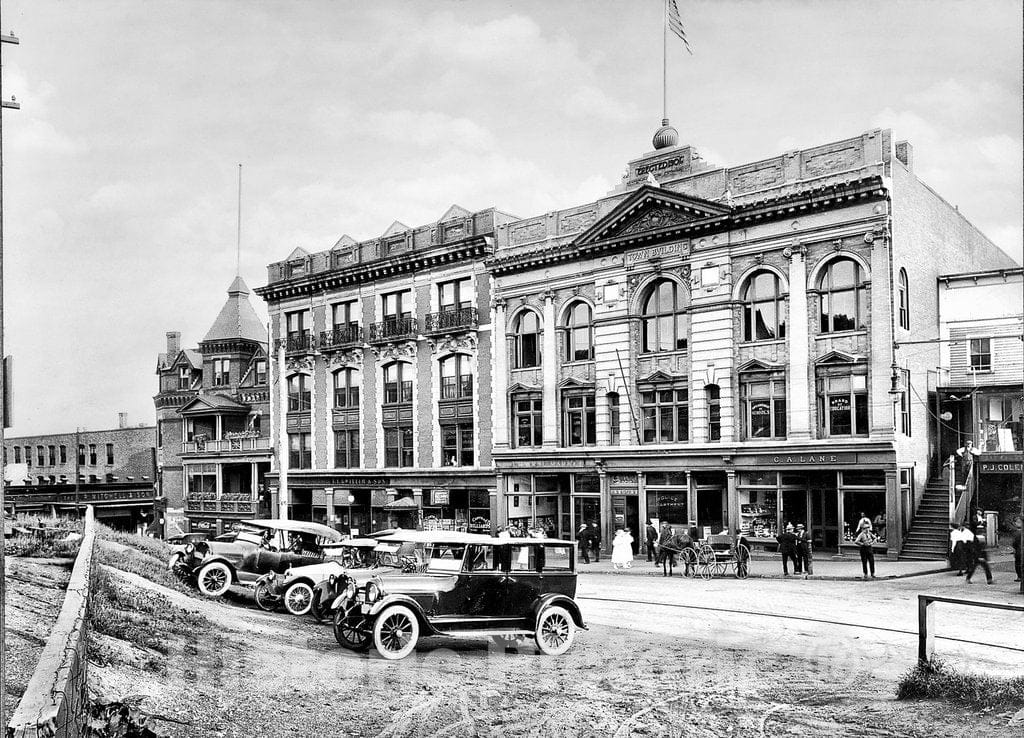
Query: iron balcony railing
x=298, y=343
x=393, y=329
x=342, y=335
x=455, y=319
x=240, y=506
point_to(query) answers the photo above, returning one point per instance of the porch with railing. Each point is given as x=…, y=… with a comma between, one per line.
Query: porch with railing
x=225, y=445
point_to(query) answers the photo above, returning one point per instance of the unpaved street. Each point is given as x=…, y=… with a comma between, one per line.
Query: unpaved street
x=639, y=670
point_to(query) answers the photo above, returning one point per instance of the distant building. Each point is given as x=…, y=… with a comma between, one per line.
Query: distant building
x=115, y=469
x=213, y=429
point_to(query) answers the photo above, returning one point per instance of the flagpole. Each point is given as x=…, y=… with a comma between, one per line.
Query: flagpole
x=664, y=60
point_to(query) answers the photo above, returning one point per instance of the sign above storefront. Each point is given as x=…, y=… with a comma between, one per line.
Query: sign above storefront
x=439, y=496
x=552, y=463
x=623, y=484
x=1002, y=467
x=361, y=481
x=804, y=459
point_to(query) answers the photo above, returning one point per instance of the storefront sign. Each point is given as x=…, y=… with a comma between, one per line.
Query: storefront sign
x=805, y=459
x=549, y=463
x=1010, y=467
x=655, y=252
x=439, y=496
x=623, y=484
x=361, y=481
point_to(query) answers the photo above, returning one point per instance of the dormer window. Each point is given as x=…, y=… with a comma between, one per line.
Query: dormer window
x=221, y=372
x=184, y=377
x=261, y=371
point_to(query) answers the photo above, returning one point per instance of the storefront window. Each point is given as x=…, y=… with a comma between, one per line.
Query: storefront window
x=1001, y=417
x=864, y=503
x=668, y=506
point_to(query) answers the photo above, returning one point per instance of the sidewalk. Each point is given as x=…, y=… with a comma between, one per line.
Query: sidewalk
x=826, y=566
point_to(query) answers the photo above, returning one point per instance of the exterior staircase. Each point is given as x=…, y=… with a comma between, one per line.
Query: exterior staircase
x=928, y=538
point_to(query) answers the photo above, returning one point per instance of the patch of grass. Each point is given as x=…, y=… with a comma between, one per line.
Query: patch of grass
x=936, y=681
x=42, y=548
x=152, y=546
x=143, y=564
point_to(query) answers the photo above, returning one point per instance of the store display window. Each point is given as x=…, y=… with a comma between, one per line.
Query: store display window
x=758, y=493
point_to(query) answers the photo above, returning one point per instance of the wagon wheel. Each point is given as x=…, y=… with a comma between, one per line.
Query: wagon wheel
x=742, y=561
x=706, y=561
x=689, y=557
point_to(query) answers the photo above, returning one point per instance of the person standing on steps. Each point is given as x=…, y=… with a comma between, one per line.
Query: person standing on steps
x=787, y=547
x=864, y=540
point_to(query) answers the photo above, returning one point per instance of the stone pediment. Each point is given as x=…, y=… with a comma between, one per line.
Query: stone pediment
x=648, y=213
x=840, y=357
x=660, y=376
x=759, y=365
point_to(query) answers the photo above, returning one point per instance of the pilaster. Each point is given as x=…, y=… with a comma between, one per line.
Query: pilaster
x=499, y=380
x=798, y=390
x=550, y=359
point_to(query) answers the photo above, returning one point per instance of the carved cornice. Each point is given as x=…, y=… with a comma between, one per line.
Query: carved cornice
x=454, y=344
x=345, y=357
x=398, y=351
x=300, y=364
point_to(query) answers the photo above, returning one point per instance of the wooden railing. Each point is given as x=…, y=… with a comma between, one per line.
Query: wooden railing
x=223, y=445
x=237, y=507
x=926, y=620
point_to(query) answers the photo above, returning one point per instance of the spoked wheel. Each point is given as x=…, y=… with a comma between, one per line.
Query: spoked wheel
x=742, y=561
x=396, y=632
x=706, y=562
x=214, y=579
x=347, y=632
x=689, y=557
x=264, y=601
x=555, y=631
x=298, y=598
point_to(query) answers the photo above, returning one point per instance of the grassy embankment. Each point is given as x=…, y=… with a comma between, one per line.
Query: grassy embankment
x=936, y=681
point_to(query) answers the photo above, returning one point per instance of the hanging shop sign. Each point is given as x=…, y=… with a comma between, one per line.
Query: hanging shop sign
x=361, y=481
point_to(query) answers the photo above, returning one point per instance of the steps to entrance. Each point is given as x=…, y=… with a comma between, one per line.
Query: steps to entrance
x=928, y=538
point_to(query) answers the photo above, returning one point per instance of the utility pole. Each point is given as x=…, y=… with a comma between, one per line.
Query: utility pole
x=5, y=388
x=78, y=461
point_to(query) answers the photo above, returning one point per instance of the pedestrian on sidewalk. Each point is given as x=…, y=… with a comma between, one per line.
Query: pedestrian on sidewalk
x=980, y=556
x=595, y=541
x=864, y=540
x=804, y=551
x=665, y=537
x=583, y=540
x=622, y=550
x=651, y=534
x=1018, y=548
x=787, y=547
x=960, y=542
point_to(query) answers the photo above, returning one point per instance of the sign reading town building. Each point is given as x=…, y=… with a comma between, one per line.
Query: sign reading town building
x=657, y=252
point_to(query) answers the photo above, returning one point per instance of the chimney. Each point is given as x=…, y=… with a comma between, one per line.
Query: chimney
x=122, y=419
x=905, y=153
x=173, y=344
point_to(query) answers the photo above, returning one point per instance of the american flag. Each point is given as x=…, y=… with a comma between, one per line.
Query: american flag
x=676, y=23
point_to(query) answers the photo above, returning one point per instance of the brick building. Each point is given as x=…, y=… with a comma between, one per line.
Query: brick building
x=116, y=472
x=705, y=346
x=213, y=429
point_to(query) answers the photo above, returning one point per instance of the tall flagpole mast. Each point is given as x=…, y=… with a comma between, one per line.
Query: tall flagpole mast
x=238, y=246
x=664, y=60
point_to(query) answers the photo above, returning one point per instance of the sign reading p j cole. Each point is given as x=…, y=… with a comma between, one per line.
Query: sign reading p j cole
x=1001, y=467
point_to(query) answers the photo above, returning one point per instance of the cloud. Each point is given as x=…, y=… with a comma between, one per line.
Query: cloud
x=592, y=103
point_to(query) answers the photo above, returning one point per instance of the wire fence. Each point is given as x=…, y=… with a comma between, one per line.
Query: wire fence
x=55, y=703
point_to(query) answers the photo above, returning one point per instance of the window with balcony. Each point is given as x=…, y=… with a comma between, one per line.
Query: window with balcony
x=261, y=371
x=300, y=451
x=763, y=401
x=184, y=377
x=456, y=378
x=665, y=414
x=526, y=333
x=201, y=481
x=579, y=419
x=713, y=398
x=299, y=393
x=297, y=326
x=527, y=421
x=110, y=454
x=579, y=333
x=457, y=444
x=398, y=446
x=843, y=297
x=63, y=454
x=52, y=454
x=92, y=454
x=842, y=395
x=664, y=319
x=346, y=448
x=455, y=307
x=344, y=323
x=981, y=354
x=221, y=372
x=397, y=383
x=346, y=389
x=903, y=294
x=396, y=309
x=763, y=308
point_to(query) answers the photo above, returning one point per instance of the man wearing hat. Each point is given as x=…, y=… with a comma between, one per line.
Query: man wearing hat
x=787, y=547
x=803, y=551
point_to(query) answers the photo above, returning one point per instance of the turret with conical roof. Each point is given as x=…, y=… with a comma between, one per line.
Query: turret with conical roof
x=237, y=319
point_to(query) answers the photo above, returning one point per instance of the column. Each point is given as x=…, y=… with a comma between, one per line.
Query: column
x=254, y=482
x=607, y=526
x=733, y=501
x=329, y=501
x=220, y=482
x=550, y=357
x=499, y=380
x=691, y=499
x=284, y=496
x=798, y=392
x=893, y=515
x=417, y=496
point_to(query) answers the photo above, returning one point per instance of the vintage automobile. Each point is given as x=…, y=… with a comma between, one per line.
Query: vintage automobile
x=255, y=548
x=296, y=587
x=473, y=585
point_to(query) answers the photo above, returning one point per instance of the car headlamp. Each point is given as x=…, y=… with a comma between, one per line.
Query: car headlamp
x=332, y=580
x=190, y=548
x=373, y=592
x=350, y=591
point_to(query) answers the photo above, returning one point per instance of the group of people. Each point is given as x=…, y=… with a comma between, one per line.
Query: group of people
x=796, y=547
x=968, y=549
x=588, y=538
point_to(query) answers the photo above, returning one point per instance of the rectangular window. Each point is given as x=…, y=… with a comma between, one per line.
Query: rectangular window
x=764, y=405
x=41, y=455
x=261, y=371
x=81, y=454
x=613, y=418
x=397, y=305
x=905, y=404
x=92, y=454
x=297, y=325
x=527, y=421
x=346, y=449
x=52, y=454
x=665, y=415
x=843, y=404
x=299, y=394
x=454, y=295
x=457, y=444
x=184, y=377
x=17, y=454
x=221, y=372
x=579, y=420
x=981, y=354
x=398, y=446
x=63, y=454
x=300, y=454
x=344, y=315
x=346, y=388
x=110, y=454
x=28, y=456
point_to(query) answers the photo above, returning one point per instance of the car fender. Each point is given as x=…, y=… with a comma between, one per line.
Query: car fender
x=286, y=583
x=550, y=600
x=398, y=599
x=211, y=559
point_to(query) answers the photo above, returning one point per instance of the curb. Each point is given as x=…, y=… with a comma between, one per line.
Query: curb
x=815, y=577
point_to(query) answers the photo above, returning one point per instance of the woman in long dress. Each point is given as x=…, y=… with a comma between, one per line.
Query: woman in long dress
x=622, y=550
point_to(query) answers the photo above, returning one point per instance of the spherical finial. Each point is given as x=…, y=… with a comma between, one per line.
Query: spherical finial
x=665, y=136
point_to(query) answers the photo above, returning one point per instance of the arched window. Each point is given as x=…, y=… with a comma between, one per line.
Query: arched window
x=903, y=289
x=764, y=316
x=843, y=297
x=346, y=388
x=456, y=377
x=714, y=400
x=579, y=337
x=397, y=383
x=665, y=324
x=526, y=344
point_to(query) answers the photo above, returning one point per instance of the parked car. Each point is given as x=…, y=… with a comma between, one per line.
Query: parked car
x=473, y=585
x=257, y=547
x=296, y=587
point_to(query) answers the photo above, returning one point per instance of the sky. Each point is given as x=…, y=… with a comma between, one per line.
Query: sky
x=121, y=168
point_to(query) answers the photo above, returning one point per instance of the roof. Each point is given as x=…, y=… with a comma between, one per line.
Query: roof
x=295, y=526
x=237, y=319
x=355, y=543
x=219, y=403
x=437, y=536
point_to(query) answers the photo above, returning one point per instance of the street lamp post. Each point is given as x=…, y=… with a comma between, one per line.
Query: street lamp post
x=351, y=499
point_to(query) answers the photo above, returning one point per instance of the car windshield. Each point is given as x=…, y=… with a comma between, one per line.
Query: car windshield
x=445, y=557
x=247, y=536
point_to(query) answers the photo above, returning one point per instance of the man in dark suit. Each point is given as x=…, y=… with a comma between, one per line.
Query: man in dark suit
x=595, y=541
x=652, y=538
x=787, y=547
x=583, y=541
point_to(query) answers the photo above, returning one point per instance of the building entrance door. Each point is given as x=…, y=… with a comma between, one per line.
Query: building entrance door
x=626, y=514
x=710, y=509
